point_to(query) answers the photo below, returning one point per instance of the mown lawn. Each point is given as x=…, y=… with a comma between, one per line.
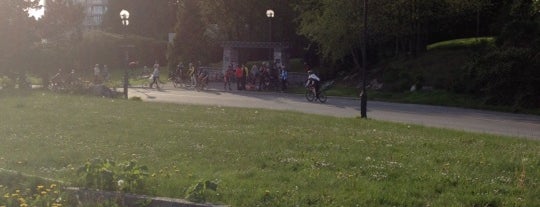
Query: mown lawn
x=268, y=158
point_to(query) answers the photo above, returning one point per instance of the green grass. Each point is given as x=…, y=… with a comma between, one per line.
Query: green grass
x=268, y=158
x=461, y=43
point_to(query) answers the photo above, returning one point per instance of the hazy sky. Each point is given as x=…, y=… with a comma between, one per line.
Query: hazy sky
x=37, y=13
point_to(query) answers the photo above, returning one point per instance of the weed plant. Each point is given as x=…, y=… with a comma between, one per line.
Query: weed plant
x=255, y=157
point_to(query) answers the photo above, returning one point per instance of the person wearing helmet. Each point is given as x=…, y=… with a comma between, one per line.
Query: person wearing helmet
x=313, y=81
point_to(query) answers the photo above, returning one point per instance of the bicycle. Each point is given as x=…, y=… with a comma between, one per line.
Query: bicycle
x=310, y=95
x=310, y=92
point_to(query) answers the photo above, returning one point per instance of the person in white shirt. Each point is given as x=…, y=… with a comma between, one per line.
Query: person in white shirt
x=313, y=81
x=155, y=76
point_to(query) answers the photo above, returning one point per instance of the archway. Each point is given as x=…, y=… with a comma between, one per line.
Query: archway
x=230, y=51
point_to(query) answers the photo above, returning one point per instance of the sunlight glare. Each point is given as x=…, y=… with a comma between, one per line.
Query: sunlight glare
x=37, y=13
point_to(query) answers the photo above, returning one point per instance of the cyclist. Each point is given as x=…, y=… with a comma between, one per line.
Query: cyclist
x=202, y=81
x=313, y=82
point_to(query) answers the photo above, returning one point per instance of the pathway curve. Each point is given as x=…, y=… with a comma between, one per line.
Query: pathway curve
x=509, y=124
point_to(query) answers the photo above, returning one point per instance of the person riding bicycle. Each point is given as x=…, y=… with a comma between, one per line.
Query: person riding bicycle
x=202, y=79
x=313, y=81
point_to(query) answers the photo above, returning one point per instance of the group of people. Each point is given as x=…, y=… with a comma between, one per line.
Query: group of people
x=261, y=77
x=101, y=74
x=60, y=79
x=197, y=77
x=258, y=77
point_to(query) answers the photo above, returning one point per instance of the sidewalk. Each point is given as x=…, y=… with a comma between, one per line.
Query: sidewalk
x=520, y=125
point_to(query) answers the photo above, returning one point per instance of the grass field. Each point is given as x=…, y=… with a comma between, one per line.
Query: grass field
x=268, y=158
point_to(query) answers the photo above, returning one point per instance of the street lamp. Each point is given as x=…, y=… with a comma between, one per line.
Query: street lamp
x=270, y=15
x=363, y=96
x=124, y=15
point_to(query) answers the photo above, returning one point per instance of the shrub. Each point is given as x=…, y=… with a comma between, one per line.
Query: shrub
x=107, y=175
x=510, y=77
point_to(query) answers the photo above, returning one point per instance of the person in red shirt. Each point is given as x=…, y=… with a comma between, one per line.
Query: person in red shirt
x=239, y=76
x=229, y=74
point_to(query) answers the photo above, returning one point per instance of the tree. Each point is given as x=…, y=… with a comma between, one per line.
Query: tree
x=60, y=29
x=515, y=63
x=16, y=35
x=190, y=43
x=154, y=19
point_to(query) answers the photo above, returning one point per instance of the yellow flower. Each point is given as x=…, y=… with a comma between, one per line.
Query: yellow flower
x=17, y=191
x=53, y=186
x=24, y=205
x=39, y=187
x=43, y=192
x=21, y=200
x=6, y=195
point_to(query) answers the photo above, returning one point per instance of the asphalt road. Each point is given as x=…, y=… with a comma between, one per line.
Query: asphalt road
x=527, y=126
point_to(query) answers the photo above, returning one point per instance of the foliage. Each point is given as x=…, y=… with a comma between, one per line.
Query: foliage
x=200, y=191
x=298, y=159
x=151, y=19
x=17, y=35
x=510, y=77
x=18, y=190
x=509, y=74
x=107, y=175
x=190, y=44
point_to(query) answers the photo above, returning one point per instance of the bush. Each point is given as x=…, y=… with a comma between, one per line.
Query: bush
x=510, y=77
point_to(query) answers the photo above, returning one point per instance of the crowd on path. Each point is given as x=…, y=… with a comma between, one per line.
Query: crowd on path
x=256, y=77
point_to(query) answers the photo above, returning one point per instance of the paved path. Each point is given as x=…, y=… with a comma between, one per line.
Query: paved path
x=527, y=126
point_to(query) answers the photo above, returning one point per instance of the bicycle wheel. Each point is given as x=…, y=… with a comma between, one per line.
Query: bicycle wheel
x=310, y=96
x=322, y=97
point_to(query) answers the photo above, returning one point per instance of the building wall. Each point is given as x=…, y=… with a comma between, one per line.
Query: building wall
x=94, y=10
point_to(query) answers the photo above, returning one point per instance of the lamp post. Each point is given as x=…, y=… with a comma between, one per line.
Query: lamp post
x=270, y=15
x=363, y=97
x=124, y=15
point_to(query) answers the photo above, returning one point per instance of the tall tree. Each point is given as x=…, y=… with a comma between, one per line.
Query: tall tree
x=60, y=29
x=16, y=34
x=335, y=26
x=190, y=43
x=153, y=19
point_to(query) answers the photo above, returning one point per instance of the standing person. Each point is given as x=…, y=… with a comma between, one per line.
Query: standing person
x=97, y=74
x=254, y=73
x=155, y=76
x=193, y=74
x=245, y=78
x=229, y=73
x=180, y=72
x=105, y=73
x=283, y=75
x=239, y=76
x=263, y=73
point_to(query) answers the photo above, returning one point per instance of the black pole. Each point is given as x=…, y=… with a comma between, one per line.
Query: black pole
x=270, y=59
x=363, y=96
x=127, y=62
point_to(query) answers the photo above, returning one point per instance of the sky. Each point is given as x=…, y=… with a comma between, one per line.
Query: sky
x=37, y=13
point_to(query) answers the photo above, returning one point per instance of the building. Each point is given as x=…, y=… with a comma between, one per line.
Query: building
x=94, y=11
